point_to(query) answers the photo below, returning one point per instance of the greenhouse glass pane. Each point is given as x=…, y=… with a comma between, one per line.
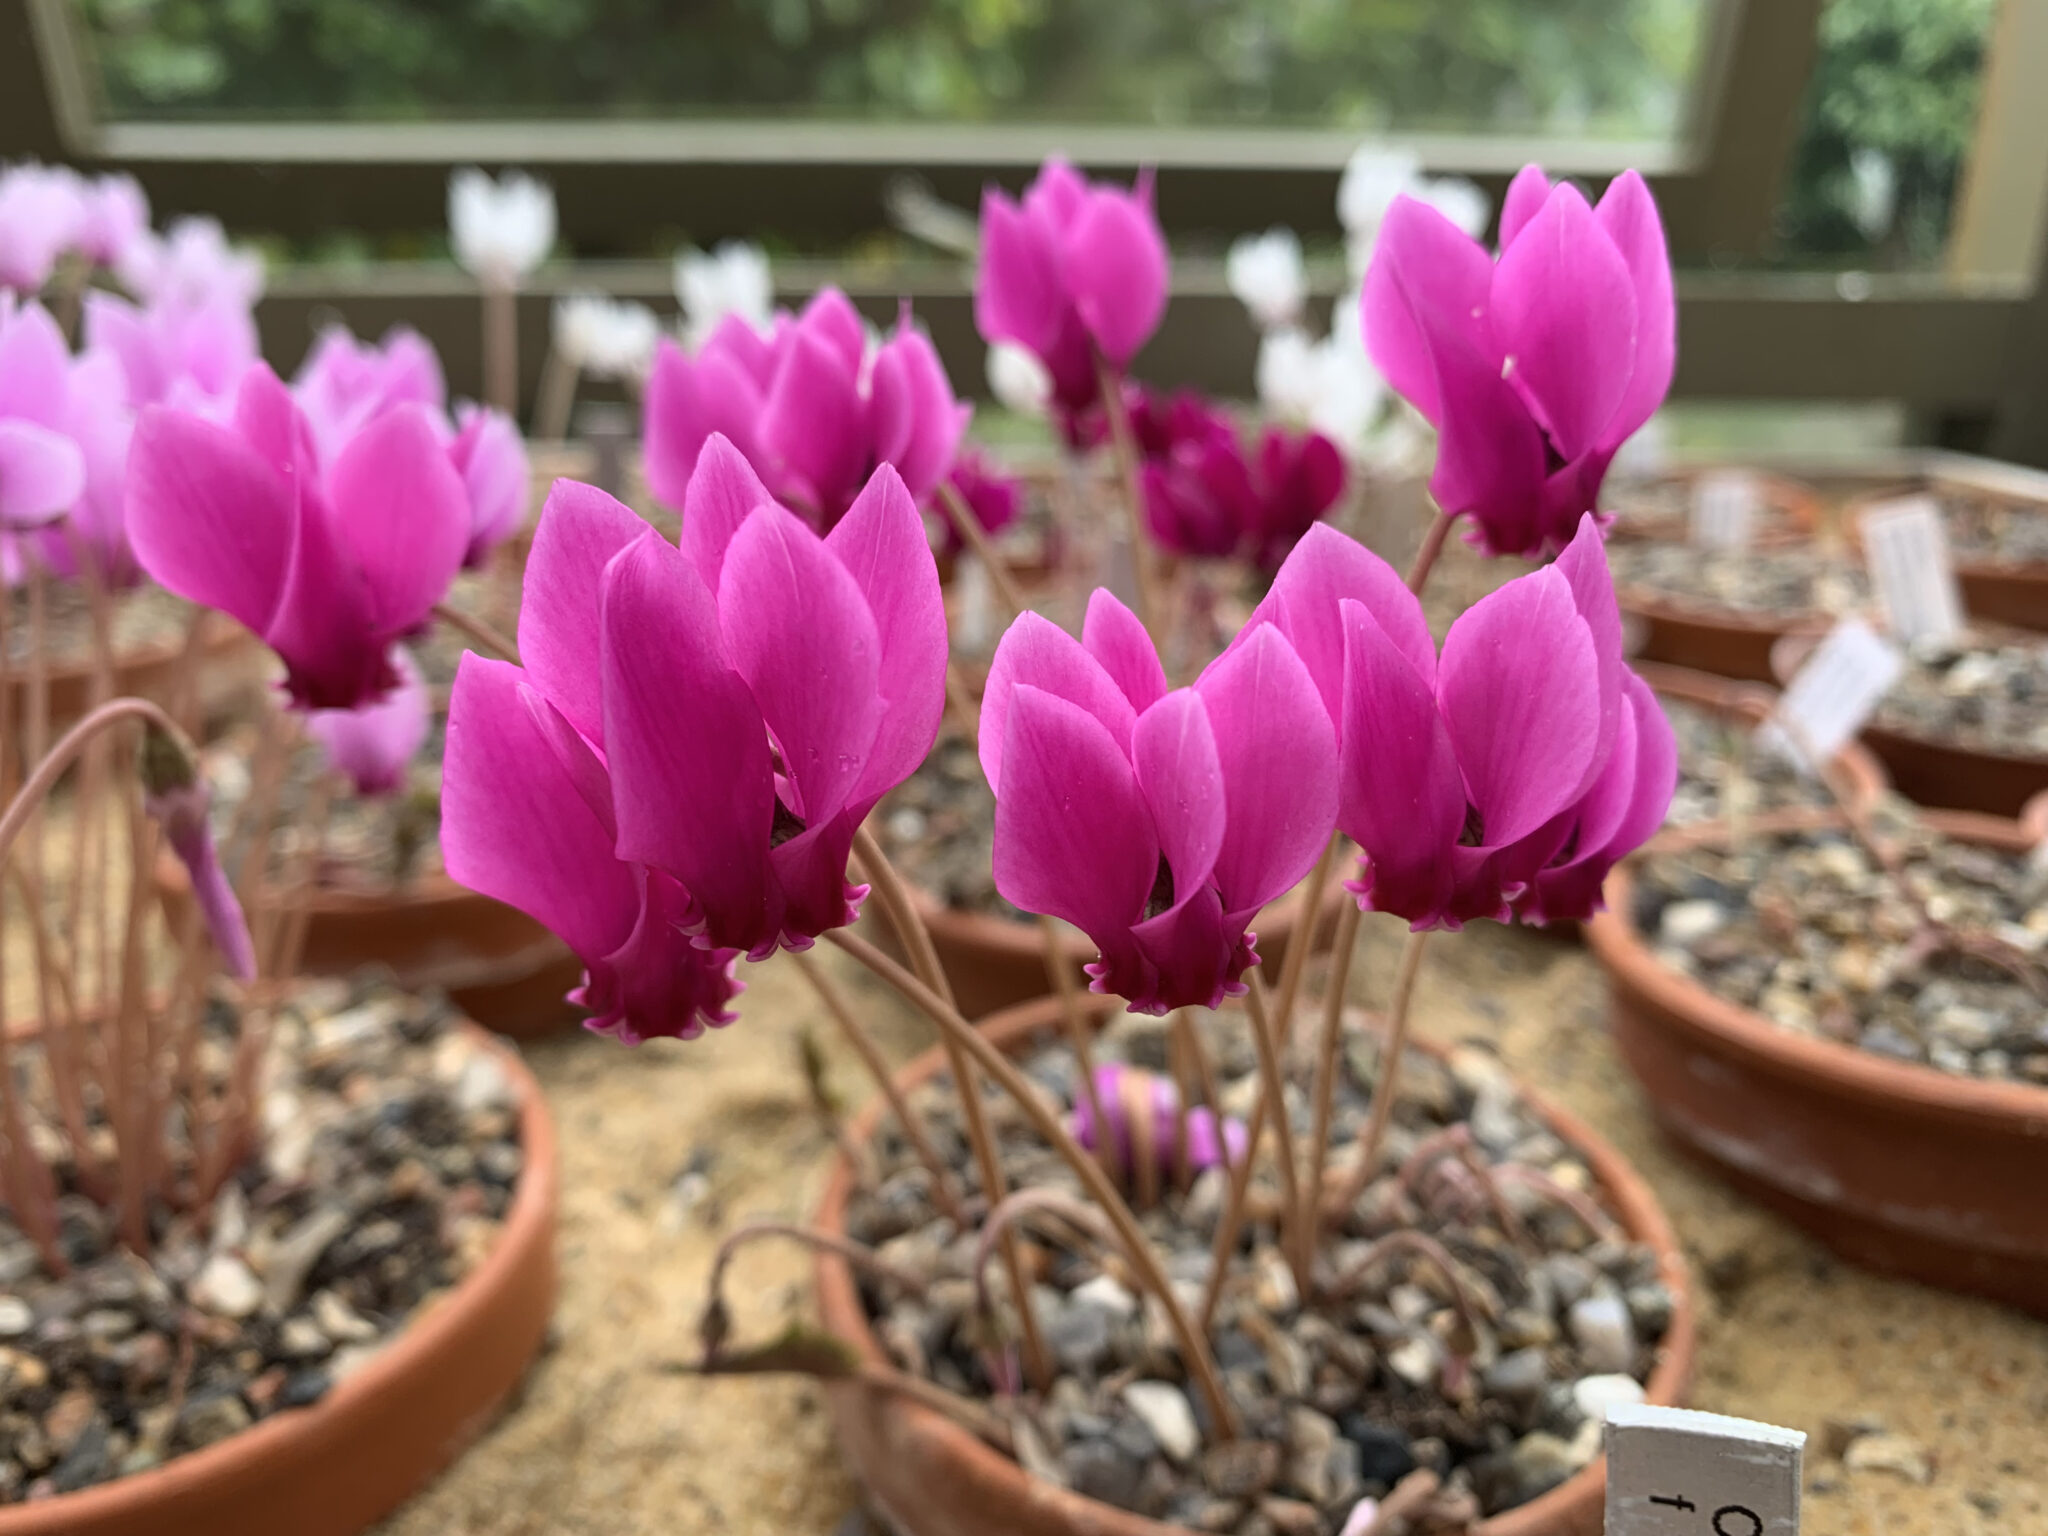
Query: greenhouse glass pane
x=1597, y=68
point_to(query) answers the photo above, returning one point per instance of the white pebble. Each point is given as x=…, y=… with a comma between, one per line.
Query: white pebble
x=1165, y=1411
x=1595, y=1395
x=1687, y=922
x=1601, y=1328
x=15, y=1317
x=227, y=1288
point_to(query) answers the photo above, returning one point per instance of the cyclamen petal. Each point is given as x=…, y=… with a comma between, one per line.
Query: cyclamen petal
x=372, y=746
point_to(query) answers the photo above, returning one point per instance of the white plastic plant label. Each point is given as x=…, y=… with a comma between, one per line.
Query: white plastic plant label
x=1905, y=544
x=1725, y=503
x=1844, y=679
x=1676, y=1472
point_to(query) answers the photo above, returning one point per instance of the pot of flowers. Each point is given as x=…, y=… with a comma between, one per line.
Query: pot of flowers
x=275, y=1251
x=356, y=761
x=1997, y=516
x=1966, y=725
x=1787, y=510
x=1840, y=1013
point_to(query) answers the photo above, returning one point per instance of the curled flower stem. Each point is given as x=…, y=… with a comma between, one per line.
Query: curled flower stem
x=479, y=630
x=1077, y=1039
x=1329, y=1044
x=924, y=958
x=968, y=526
x=1589, y=1214
x=51, y=768
x=1194, y=1348
x=943, y=1189
x=1432, y=546
x=859, y=1255
x=1388, y=1088
x=1002, y=1222
x=1125, y=446
x=1422, y=1246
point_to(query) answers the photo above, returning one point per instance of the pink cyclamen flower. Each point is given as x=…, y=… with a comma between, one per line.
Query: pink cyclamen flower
x=328, y=567
x=1073, y=270
x=1130, y=1097
x=192, y=266
x=373, y=744
x=527, y=817
x=810, y=406
x=42, y=471
x=42, y=210
x=94, y=533
x=171, y=354
x=345, y=384
x=114, y=217
x=752, y=694
x=993, y=497
x=1157, y=822
x=1506, y=775
x=1534, y=370
x=1206, y=497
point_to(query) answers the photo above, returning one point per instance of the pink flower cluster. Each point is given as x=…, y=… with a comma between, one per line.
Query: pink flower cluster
x=50, y=211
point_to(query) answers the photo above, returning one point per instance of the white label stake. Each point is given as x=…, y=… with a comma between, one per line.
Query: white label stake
x=1674, y=1472
x=1724, y=508
x=1844, y=679
x=1905, y=543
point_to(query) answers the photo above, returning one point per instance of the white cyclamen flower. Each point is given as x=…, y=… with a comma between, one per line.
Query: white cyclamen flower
x=1018, y=380
x=605, y=337
x=500, y=230
x=732, y=279
x=1375, y=176
x=1266, y=273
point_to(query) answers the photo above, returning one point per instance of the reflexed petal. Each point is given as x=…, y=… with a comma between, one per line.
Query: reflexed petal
x=1527, y=194
x=1490, y=453
x=1073, y=836
x=1564, y=313
x=491, y=458
x=42, y=474
x=1017, y=291
x=881, y=542
x=915, y=421
x=1325, y=568
x=1036, y=651
x=1116, y=638
x=580, y=530
x=830, y=318
x=723, y=493
x=401, y=516
x=1057, y=193
x=1629, y=215
x=1428, y=283
x=209, y=519
x=798, y=630
x=1519, y=688
x=687, y=401
x=513, y=824
x=1583, y=564
x=1278, y=751
x=1115, y=265
x=1173, y=751
x=688, y=754
x=34, y=362
x=813, y=423
x=1402, y=800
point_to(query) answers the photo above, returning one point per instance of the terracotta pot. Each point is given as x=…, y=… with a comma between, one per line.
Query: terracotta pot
x=338, y=1467
x=143, y=671
x=1893, y=1165
x=2014, y=594
x=930, y=1477
x=496, y=964
x=998, y=962
x=1707, y=639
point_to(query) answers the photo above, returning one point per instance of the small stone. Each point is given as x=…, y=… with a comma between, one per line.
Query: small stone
x=1290, y=1517
x=21, y=1372
x=227, y=1288
x=68, y=1418
x=209, y=1418
x=1518, y=1377
x=1096, y=1469
x=146, y=1359
x=1241, y=1469
x=1105, y=1294
x=340, y=1321
x=1890, y=1453
x=1605, y=1335
x=304, y=1389
x=1685, y=923
x=1383, y=1454
x=16, y=1317
x=300, y=1338
x=1539, y=1462
x=295, y=1254
x=107, y=1325
x=90, y=1459
x=1165, y=1411
x=1414, y=1360
x=1595, y=1395
x=1273, y=1284
x=1079, y=1336
x=1310, y=1440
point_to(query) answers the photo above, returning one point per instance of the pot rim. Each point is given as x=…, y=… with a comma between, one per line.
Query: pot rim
x=1839, y=1069
x=528, y=1228
x=1628, y=1195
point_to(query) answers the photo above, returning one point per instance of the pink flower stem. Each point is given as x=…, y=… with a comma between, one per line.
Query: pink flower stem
x=1387, y=1088
x=1329, y=1040
x=968, y=526
x=1046, y=1120
x=1125, y=446
x=1432, y=546
x=479, y=630
x=1272, y=1089
x=916, y=940
x=944, y=1191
